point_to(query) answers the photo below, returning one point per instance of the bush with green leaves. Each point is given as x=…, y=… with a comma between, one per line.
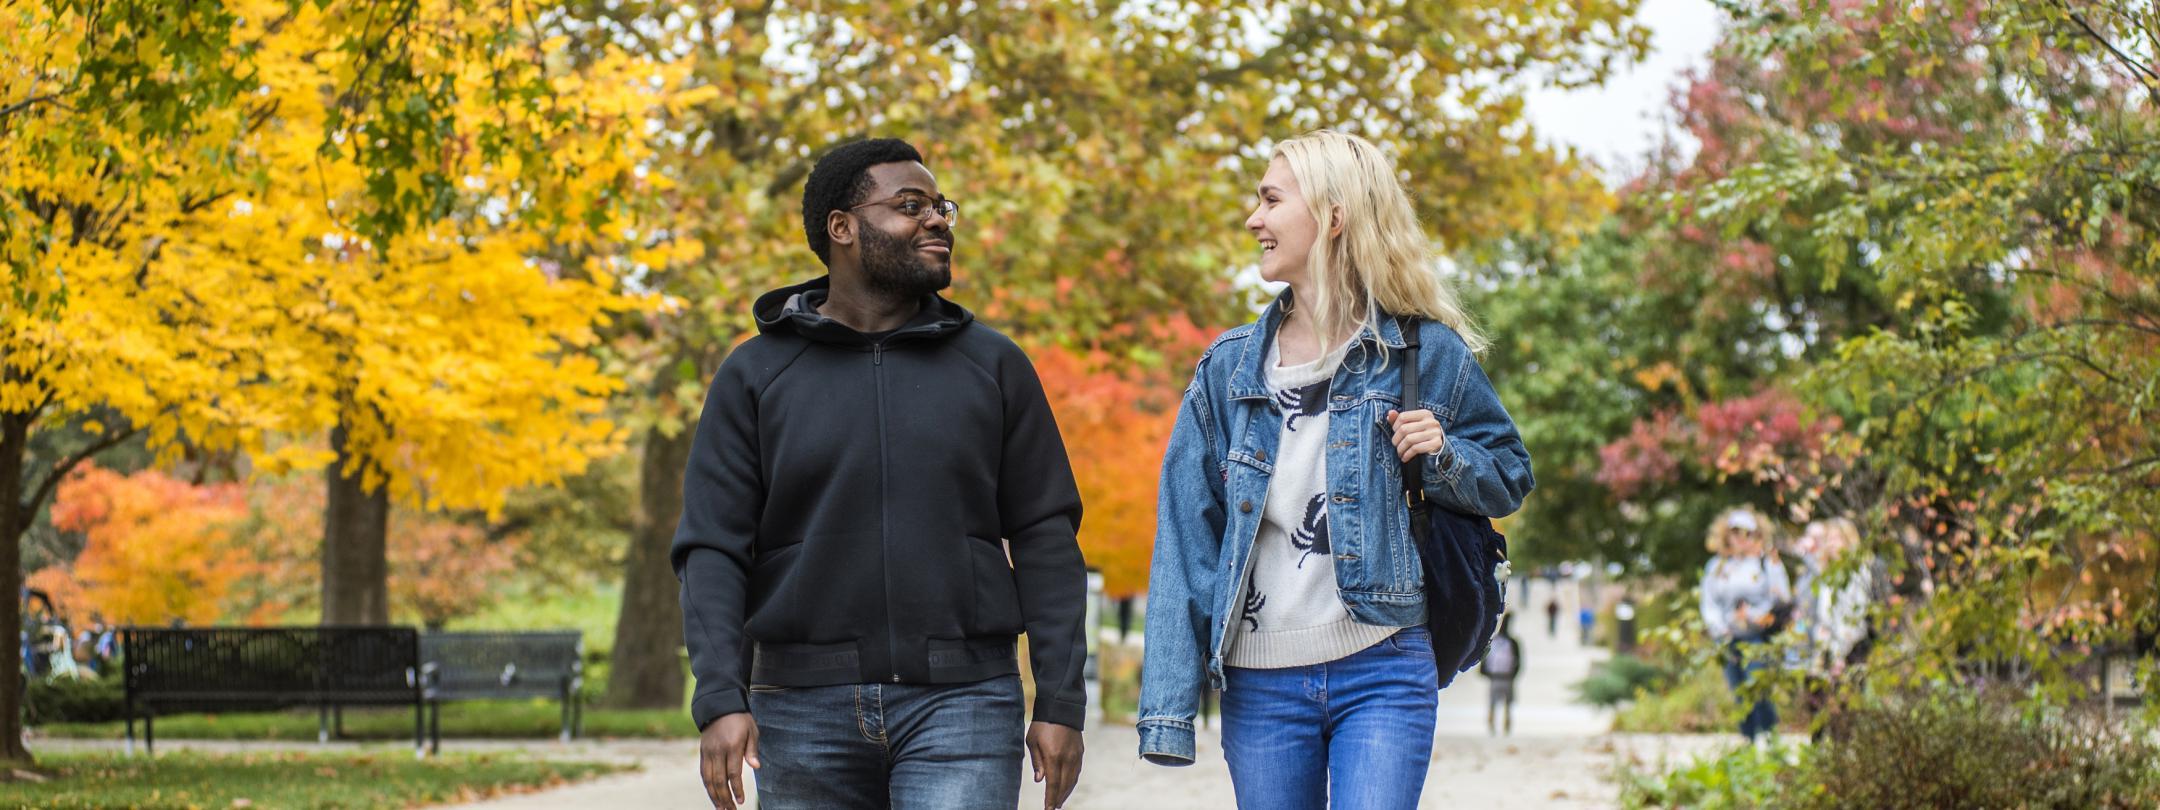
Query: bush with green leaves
x=68, y=700
x=1620, y=679
x=1744, y=777
x=1958, y=749
x=1924, y=750
x=1696, y=702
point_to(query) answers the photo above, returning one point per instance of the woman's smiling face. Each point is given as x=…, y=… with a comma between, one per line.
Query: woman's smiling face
x=1284, y=225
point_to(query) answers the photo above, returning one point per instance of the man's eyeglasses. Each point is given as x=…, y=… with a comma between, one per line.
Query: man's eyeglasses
x=919, y=207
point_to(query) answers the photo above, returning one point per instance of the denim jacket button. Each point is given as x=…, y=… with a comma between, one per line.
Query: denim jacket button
x=1244, y=506
x=1262, y=454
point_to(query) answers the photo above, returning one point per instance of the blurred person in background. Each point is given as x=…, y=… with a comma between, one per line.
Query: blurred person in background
x=1746, y=596
x=1835, y=593
x=1502, y=663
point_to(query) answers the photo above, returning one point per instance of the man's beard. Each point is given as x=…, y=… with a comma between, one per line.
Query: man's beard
x=892, y=265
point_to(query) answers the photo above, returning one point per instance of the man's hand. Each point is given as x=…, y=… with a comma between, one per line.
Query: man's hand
x=727, y=744
x=1055, y=750
x=1416, y=433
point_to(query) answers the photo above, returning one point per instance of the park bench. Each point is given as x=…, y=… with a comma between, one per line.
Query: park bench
x=227, y=668
x=482, y=666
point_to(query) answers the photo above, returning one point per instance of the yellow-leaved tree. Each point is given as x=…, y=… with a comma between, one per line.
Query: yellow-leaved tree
x=238, y=226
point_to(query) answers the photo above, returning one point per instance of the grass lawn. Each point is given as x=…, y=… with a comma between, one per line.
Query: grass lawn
x=492, y=719
x=343, y=780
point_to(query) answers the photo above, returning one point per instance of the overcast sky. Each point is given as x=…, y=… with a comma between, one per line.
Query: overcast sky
x=1616, y=124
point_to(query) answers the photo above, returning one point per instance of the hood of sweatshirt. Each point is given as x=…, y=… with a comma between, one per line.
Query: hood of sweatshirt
x=793, y=310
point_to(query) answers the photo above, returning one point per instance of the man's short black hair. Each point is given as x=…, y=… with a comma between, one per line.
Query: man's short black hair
x=840, y=181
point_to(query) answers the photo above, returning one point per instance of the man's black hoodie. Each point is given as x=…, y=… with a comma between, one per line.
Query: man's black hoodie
x=849, y=504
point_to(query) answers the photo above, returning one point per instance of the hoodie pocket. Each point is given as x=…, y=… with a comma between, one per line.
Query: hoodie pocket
x=997, y=597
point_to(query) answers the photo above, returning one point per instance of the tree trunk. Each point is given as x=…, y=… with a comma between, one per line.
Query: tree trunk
x=14, y=443
x=647, y=671
x=355, y=568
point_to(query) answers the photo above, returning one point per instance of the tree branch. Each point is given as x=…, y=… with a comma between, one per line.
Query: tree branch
x=33, y=101
x=2143, y=74
x=60, y=471
x=2115, y=470
x=496, y=532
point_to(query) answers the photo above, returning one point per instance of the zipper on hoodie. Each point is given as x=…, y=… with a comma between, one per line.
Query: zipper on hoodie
x=892, y=641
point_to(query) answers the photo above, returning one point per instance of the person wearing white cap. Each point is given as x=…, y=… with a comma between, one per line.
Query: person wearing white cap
x=1745, y=597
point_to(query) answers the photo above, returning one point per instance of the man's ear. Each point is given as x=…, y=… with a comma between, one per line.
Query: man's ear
x=840, y=228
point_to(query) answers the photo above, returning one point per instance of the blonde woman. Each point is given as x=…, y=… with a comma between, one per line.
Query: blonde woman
x=1834, y=611
x=1745, y=596
x=1284, y=571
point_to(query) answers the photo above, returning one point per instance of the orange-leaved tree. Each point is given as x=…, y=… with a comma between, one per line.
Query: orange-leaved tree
x=1115, y=412
x=440, y=567
x=443, y=569
x=158, y=548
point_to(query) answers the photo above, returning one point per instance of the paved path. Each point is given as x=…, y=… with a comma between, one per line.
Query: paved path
x=1558, y=757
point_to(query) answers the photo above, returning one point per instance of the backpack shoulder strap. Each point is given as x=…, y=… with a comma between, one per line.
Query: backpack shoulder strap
x=1412, y=475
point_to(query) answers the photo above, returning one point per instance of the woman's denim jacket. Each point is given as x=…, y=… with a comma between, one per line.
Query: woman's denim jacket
x=1215, y=484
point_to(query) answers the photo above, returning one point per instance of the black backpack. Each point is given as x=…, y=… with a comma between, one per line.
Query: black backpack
x=1464, y=557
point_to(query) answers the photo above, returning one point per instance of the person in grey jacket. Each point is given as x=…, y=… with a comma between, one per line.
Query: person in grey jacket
x=1745, y=596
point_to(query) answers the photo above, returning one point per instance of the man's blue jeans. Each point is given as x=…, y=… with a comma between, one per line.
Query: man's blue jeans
x=890, y=745
x=1352, y=733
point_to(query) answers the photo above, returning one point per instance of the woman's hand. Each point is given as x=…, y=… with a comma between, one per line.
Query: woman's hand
x=1416, y=433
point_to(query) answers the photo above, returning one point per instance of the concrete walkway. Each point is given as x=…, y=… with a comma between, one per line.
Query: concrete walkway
x=1560, y=755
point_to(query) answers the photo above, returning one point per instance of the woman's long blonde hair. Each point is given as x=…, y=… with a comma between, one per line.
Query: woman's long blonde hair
x=1382, y=261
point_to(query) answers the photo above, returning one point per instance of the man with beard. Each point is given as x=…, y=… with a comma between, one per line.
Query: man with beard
x=877, y=504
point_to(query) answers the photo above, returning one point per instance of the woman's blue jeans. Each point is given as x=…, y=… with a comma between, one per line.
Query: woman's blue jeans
x=1742, y=661
x=1351, y=733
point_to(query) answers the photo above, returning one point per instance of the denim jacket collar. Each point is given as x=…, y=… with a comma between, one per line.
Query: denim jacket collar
x=1248, y=380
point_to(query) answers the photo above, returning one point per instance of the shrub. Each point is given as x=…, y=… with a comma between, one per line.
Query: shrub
x=1961, y=750
x=1911, y=750
x=1618, y=679
x=67, y=700
x=1744, y=777
x=1695, y=702
x=1118, y=667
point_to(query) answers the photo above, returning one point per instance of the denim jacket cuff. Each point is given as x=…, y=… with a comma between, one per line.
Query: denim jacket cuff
x=1166, y=741
x=1444, y=467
